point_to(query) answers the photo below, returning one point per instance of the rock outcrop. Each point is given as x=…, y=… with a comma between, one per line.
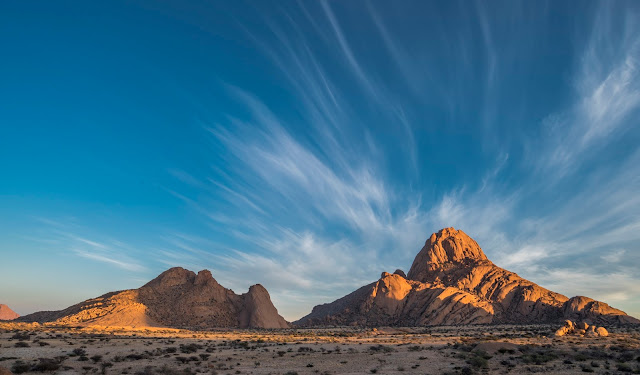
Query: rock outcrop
x=581, y=329
x=177, y=298
x=589, y=310
x=7, y=314
x=451, y=281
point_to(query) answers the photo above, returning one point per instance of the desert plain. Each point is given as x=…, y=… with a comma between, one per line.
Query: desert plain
x=496, y=349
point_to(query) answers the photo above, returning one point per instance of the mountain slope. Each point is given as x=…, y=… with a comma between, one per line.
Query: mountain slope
x=7, y=314
x=176, y=298
x=451, y=281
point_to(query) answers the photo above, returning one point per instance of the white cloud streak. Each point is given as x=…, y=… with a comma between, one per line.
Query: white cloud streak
x=340, y=219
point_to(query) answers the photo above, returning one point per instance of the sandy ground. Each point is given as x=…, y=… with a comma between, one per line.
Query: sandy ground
x=430, y=350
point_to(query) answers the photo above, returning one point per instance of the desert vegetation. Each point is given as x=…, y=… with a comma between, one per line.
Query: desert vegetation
x=426, y=350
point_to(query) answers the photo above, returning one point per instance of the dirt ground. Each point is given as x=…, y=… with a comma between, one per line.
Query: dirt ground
x=425, y=350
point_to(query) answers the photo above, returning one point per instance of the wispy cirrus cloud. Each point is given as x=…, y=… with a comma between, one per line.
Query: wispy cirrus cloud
x=74, y=239
x=321, y=202
x=607, y=94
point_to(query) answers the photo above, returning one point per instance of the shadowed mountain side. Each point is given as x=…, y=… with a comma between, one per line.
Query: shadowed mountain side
x=451, y=281
x=7, y=314
x=177, y=298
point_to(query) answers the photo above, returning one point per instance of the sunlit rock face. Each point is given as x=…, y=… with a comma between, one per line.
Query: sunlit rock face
x=7, y=314
x=451, y=281
x=176, y=298
x=581, y=329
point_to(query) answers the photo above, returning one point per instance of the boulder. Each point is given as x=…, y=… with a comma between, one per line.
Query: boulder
x=602, y=332
x=569, y=324
x=562, y=331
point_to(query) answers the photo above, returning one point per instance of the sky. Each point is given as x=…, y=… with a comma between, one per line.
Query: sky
x=309, y=146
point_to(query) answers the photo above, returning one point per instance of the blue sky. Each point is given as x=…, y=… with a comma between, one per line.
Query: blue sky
x=309, y=146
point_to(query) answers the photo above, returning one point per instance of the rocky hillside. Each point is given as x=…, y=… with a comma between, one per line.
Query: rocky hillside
x=451, y=281
x=6, y=313
x=177, y=298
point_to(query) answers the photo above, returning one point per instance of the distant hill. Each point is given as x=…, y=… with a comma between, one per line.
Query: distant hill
x=7, y=314
x=177, y=298
x=451, y=281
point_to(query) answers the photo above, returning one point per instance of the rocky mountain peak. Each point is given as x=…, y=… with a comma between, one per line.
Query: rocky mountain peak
x=451, y=281
x=177, y=298
x=204, y=277
x=172, y=277
x=444, y=250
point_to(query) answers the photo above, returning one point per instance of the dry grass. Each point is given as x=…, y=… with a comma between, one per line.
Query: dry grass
x=437, y=350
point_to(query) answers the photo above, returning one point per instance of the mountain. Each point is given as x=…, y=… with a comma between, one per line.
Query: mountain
x=177, y=298
x=6, y=313
x=451, y=281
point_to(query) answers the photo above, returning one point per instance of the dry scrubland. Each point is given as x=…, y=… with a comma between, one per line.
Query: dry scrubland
x=430, y=350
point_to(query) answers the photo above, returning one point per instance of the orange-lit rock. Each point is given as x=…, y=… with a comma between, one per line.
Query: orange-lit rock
x=176, y=298
x=451, y=281
x=7, y=314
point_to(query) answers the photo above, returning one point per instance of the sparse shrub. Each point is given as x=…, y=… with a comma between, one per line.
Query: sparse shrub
x=78, y=352
x=539, y=358
x=478, y=362
x=46, y=364
x=19, y=367
x=382, y=348
x=136, y=356
x=148, y=370
x=22, y=336
x=625, y=357
x=483, y=354
x=104, y=366
x=580, y=357
x=190, y=348
x=96, y=358
x=586, y=368
x=507, y=363
x=21, y=344
x=623, y=367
